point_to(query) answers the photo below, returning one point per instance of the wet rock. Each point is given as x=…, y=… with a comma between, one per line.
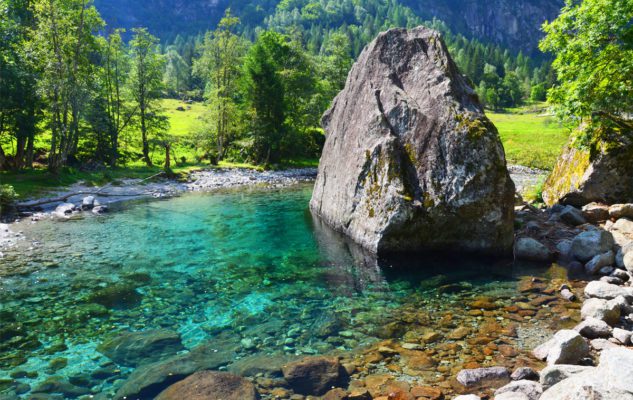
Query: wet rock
x=572, y=216
x=589, y=244
x=211, y=385
x=606, y=291
x=315, y=375
x=532, y=390
x=593, y=328
x=618, y=211
x=566, y=347
x=119, y=296
x=553, y=374
x=607, y=311
x=483, y=377
x=136, y=348
x=600, y=261
x=411, y=162
x=595, y=212
x=531, y=250
x=149, y=380
x=525, y=373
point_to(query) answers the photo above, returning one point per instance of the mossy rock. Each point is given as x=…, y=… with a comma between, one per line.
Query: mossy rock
x=601, y=172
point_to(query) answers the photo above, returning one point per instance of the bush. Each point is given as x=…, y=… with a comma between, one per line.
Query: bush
x=8, y=198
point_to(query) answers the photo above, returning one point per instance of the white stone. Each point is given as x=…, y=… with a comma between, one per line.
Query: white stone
x=530, y=389
x=608, y=311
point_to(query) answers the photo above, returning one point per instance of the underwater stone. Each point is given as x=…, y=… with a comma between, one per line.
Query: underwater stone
x=149, y=380
x=207, y=385
x=117, y=296
x=135, y=348
x=411, y=162
x=315, y=375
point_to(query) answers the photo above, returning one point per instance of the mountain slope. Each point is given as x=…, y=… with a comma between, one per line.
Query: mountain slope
x=512, y=23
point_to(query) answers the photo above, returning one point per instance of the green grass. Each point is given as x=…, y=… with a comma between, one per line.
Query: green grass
x=530, y=138
x=187, y=122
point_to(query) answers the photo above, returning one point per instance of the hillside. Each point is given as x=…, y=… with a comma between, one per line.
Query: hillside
x=513, y=24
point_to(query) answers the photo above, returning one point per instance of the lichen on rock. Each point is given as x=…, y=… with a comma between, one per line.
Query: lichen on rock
x=411, y=162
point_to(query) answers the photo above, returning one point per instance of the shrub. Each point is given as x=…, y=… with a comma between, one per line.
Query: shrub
x=8, y=198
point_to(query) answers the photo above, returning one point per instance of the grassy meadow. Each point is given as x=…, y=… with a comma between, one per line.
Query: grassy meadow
x=530, y=138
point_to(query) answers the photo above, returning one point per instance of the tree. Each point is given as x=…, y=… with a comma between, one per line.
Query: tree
x=146, y=84
x=115, y=71
x=63, y=44
x=593, y=44
x=18, y=98
x=219, y=66
x=265, y=93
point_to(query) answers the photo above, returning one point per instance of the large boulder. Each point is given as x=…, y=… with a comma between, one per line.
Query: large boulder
x=531, y=250
x=601, y=173
x=211, y=385
x=607, y=291
x=411, y=162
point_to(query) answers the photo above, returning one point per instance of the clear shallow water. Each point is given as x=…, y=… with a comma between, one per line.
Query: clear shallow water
x=248, y=269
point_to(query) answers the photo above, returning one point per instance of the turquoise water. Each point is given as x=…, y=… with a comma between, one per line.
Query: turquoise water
x=248, y=268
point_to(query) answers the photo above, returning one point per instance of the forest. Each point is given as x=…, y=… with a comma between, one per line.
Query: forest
x=76, y=92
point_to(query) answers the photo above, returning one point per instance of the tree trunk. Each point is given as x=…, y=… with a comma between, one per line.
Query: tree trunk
x=167, y=156
x=146, y=157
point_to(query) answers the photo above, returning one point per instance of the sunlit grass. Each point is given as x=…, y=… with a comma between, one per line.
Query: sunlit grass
x=530, y=138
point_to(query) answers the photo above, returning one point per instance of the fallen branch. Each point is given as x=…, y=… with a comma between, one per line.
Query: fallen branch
x=99, y=192
x=65, y=198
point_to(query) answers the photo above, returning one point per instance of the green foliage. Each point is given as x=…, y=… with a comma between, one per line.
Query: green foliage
x=593, y=44
x=8, y=198
x=146, y=86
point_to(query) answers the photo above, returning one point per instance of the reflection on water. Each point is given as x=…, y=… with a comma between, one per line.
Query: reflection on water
x=249, y=270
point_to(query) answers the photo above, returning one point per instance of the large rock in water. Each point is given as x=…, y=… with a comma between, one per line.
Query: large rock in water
x=411, y=162
x=602, y=174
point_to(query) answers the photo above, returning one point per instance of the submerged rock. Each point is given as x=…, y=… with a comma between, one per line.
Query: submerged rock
x=135, y=348
x=411, y=162
x=149, y=380
x=211, y=385
x=315, y=375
